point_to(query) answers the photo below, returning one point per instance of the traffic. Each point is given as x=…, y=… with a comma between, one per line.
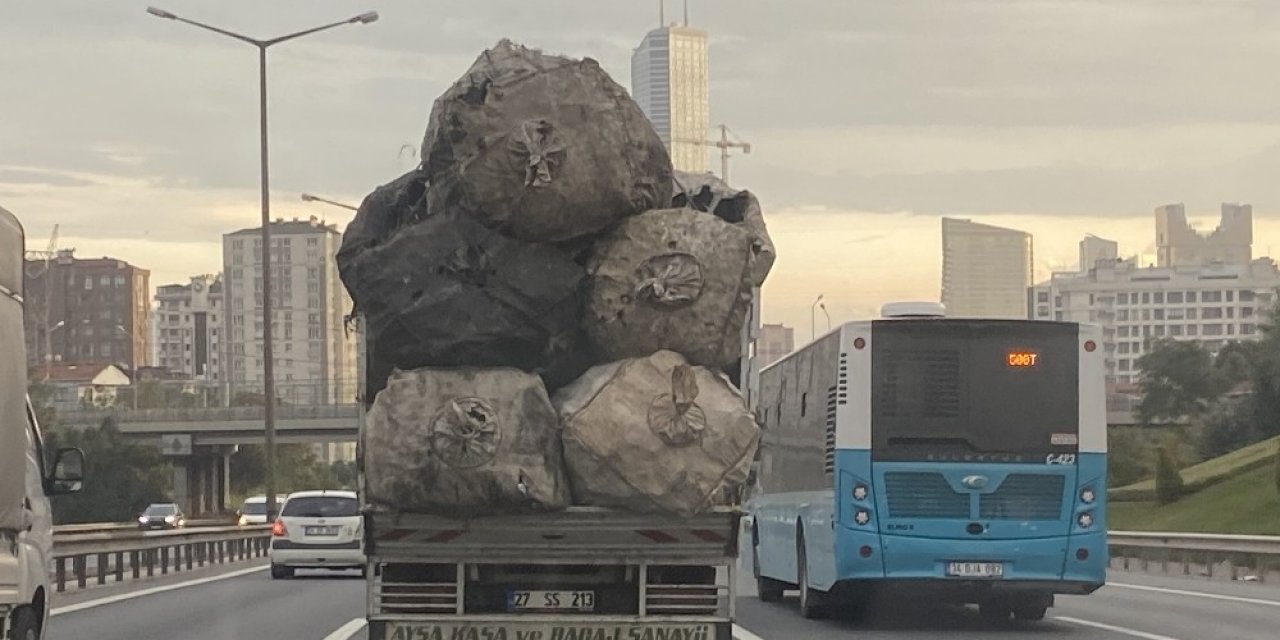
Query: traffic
x=536, y=376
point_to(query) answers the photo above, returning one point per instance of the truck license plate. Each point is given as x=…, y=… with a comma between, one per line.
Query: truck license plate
x=551, y=601
x=975, y=569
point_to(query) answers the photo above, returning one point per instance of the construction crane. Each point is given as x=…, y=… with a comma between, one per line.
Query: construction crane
x=724, y=144
x=37, y=267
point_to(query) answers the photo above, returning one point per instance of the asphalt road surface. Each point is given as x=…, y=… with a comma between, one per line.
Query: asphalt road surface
x=243, y=602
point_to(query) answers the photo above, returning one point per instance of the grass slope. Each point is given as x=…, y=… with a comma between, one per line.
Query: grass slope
x=1208, y=473
x=1247, y=503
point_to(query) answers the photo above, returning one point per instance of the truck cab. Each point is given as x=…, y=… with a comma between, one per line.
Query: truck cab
x=28, y=477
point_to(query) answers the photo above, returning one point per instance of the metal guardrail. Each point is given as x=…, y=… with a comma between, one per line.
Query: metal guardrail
x=106, y=527
x=1207, y=553
x=118, y=553
x=210, y=414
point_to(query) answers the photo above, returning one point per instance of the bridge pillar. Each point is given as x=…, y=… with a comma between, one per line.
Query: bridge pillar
x=181, y=487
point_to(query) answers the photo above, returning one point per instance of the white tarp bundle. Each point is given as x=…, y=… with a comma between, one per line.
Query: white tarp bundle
x=542, y=147
x=464, y=442
x=13, y=376
x=675, y=279
x=655, y=434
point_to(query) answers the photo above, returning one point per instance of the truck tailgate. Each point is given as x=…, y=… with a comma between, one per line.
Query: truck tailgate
x=577, y=534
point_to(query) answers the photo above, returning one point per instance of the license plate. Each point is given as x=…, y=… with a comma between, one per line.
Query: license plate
x=320, y=531
x=551, y=601
x=975, y=569
x=546, y=630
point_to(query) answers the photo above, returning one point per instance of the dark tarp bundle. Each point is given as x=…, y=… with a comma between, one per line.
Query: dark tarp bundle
x=449, y=292
x=543, y=147
x=674, y=279
x=707, y=193
x=390, y=207
x=464, y=442
x=655, y=434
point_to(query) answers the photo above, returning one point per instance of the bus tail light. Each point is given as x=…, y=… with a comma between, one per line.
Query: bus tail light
x=1087, y=495
x=862, y=517
x=861, y=492
x=1082, y=554
x=865, y=551
x=1085, y=520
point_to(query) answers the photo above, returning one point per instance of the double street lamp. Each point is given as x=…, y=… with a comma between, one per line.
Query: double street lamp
x=268, y=371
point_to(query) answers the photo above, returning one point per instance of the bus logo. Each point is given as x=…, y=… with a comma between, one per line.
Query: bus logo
x=974, y=482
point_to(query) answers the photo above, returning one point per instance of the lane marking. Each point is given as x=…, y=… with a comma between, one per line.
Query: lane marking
x=1196, y=594
x=81, y=606
x=1112, y=628
x=741, y=633
x=348, y=630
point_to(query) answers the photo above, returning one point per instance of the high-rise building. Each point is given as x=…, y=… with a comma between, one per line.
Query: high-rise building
x=1212, y=304
x=188, y=327
x=669, y=81
x=315, y=357
x=1094, y=250
x=776, y=341
x=986, y=270
x=87, y=311
x=1180, y=245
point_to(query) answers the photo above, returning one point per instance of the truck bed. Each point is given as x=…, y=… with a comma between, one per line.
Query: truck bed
x=645, y=573
x=574, y=535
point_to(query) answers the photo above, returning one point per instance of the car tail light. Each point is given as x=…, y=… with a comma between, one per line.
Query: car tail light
x=278, y=530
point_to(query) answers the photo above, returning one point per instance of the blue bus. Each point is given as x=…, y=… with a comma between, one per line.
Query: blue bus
x=957, y=460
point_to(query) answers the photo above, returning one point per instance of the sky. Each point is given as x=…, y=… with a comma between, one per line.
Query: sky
x=869, y=120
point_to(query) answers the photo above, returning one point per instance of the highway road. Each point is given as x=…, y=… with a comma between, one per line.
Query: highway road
x=243, y=602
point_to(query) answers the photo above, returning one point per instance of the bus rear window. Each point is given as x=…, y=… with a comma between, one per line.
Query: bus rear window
x=974, y=390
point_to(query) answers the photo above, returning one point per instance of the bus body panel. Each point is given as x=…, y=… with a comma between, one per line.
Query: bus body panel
x=1024, y=512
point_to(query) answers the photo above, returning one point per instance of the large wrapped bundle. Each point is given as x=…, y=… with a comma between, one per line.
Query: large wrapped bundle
x=655, y=434
x=383, y=212
x=448, y=291
x=544, y=147
x=707, y=193
x=674, y=279
x=464, y=442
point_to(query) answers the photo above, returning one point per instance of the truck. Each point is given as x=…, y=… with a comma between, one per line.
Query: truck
x=585, y=573
x=27, y=477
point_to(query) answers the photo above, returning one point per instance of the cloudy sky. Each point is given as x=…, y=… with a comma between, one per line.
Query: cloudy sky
x=870, y=119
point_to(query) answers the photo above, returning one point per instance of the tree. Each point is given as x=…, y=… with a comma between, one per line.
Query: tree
x=1177, y=381
x=297, y=469
x=1169, y=486
x=1233, y=365
x=121, y=478
x=1278, y=468
x=1229, y=426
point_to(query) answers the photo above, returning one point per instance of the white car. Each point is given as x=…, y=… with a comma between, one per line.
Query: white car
x=254, y=510
x=317, y=530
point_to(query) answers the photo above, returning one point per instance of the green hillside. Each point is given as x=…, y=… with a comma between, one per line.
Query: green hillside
x=1207, y=473
x=1247, y=503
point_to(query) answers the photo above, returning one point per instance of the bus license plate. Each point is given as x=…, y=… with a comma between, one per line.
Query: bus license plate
x=975, y=569
x=551, y=601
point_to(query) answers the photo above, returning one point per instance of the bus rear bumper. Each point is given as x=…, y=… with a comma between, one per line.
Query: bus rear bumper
x=1067, y=564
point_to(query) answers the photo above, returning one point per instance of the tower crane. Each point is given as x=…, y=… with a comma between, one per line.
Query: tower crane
x=728, y=140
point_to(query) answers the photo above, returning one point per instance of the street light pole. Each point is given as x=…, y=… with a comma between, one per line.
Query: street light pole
x=268, y=363
x=813, y=318
x=133, y=369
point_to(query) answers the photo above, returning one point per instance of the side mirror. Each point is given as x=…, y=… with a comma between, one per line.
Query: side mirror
x=68, y=473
